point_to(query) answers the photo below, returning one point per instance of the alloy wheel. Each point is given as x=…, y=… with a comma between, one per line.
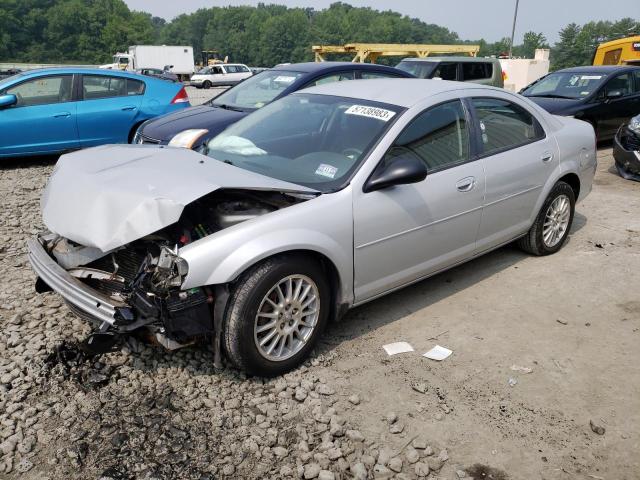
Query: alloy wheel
x=287, y=317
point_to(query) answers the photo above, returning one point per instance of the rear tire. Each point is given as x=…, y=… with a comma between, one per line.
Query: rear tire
x=206, y=85
x=258, y=319
x=551, y=228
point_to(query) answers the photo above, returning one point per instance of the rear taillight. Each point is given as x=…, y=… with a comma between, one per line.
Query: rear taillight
x=181, y=97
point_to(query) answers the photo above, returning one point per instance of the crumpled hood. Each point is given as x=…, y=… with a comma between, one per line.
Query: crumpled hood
x=108, y=196
x=214, y=119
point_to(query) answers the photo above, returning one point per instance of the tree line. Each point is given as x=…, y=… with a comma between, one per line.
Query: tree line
x=91, y=31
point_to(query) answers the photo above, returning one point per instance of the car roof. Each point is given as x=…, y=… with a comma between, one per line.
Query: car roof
x=83, y=70
x=598, y=68
x=403, y=92
x=316, y=67
x=458, y=58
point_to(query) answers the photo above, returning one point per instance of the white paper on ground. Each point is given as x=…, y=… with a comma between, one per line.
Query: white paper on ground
x=397, y=347
x=438, y=353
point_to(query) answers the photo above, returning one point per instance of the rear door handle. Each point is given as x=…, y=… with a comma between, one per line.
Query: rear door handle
x=62, y=115
x=128, y=107
x=466, y=184
x=546, y=157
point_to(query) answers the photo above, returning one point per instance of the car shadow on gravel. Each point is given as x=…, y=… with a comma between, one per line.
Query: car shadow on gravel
x=408, y=300
x=14, y=163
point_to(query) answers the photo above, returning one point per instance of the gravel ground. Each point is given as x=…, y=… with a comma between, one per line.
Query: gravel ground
x=350, y=411
x=198, y=96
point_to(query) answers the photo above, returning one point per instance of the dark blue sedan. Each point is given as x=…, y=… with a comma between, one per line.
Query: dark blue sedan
x=52, y=110
x=191, y=128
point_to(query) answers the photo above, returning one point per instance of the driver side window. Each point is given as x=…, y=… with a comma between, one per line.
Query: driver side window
x=439, y=136
x=621, y=83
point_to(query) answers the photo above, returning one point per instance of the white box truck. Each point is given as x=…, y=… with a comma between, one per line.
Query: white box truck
x=176, y=59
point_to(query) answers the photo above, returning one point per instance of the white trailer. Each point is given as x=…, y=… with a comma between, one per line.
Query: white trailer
x=178, y=59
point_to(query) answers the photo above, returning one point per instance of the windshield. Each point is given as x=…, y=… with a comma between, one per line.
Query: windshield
x=311, y=140
x=566, y=85
x=422, y=69
x=258, y=90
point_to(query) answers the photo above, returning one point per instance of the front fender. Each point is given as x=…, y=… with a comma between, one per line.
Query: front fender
x=323, y=225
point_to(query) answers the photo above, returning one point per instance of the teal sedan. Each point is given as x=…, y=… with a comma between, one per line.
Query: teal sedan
x=49, y=111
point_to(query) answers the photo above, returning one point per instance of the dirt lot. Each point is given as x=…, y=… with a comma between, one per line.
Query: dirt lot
x=351, y=411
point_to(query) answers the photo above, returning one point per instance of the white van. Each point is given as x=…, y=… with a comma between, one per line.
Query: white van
x=221, y=74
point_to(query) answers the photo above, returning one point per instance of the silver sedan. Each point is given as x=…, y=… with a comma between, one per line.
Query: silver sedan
x=319, y=202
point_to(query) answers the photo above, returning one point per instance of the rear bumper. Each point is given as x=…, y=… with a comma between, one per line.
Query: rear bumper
x=80, y=296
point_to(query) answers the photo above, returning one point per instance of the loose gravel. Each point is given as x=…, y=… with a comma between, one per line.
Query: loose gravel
x=143, y=413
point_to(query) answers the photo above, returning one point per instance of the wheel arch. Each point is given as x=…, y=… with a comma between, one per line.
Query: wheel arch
x=338, y=304
x=133, y=130
x=574, y=182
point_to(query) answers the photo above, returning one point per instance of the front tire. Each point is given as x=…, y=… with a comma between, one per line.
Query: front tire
x=276, y=314
x=551, y=228
x=206, y=85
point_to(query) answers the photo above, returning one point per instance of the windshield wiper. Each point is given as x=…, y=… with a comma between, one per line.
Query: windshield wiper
x=227, y=107
x=552, y=95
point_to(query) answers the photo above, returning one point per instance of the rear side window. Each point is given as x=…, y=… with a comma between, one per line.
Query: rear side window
x=335, y=77
x=439, y=136
x=374, y=75
x=505, y=125
x=476, y=71
x=134, y=87
x=446, y=71
x=95, y=87
x=612, y=57
x=43, y=91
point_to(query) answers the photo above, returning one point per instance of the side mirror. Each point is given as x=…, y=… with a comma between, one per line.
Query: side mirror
x=612, y=94
x=7, y=100
x=403, y=170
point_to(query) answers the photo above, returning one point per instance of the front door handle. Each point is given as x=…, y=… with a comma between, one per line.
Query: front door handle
x=128, y=107
x=546, y=157
x=466, y=184
x=62, y=115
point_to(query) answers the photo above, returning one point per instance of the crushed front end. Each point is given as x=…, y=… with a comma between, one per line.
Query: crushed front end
x=132, y=289
x=626, y=150
x=137, y=287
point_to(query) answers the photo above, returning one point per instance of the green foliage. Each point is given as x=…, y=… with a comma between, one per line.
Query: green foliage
x=578, y=44
x=91, y=31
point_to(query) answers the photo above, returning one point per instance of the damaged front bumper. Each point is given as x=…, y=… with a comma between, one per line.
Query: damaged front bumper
x=119, y=305
x=92, y=303
x=626, y=153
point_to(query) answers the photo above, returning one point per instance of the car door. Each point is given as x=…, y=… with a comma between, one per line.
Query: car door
x=517, y=158
x=407, y=232
x=618, y=100
x=109, y=108
x=44, y=118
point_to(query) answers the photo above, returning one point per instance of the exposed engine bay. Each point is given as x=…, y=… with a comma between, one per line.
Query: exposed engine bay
x=146, y=274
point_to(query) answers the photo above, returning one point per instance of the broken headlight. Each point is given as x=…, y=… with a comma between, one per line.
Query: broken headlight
x=634, y=124
x=170, y=270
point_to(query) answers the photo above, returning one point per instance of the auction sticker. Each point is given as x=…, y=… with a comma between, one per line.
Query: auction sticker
x=371, y=112
x=590, y=77
x=326, y=170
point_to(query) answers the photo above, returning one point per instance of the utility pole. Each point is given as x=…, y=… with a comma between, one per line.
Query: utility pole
x=513, y=29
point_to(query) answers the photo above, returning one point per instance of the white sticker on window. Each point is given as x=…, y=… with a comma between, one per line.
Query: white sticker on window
x=371, y=112
x=284, y=79
x=590, y=77
x=326, y=170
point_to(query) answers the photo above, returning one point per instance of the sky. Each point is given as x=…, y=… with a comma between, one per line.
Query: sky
x=471, y=19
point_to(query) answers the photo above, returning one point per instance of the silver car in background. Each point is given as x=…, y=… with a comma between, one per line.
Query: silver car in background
x=321, y=201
